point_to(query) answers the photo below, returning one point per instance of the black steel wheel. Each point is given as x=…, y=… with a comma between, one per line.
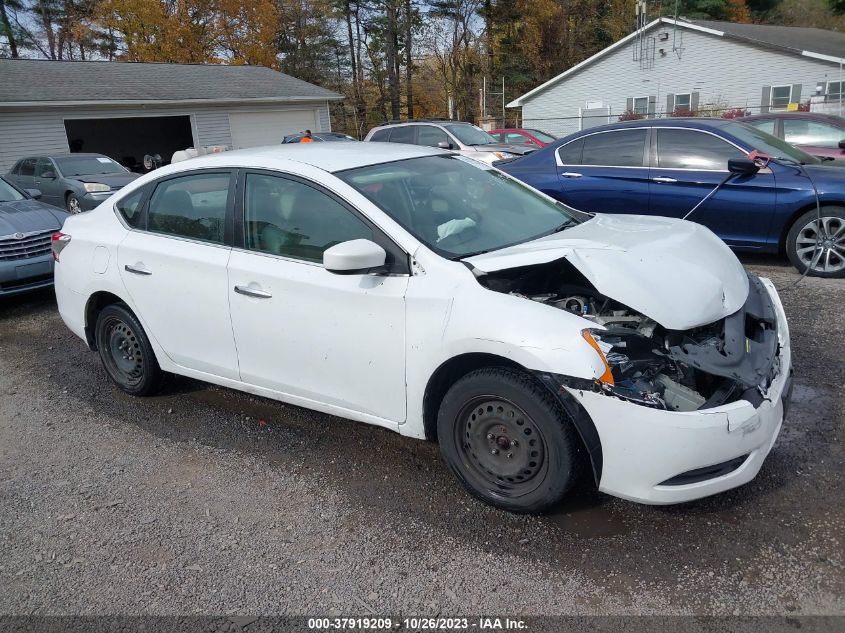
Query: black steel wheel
x=508, y=441
x=126, y=353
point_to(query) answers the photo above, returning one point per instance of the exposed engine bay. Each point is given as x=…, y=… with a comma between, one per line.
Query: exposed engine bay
x=734, y=358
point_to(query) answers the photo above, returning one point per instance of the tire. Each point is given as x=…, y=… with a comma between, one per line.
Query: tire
x=72, y=204
x=126, y=353
x=508, y=441
x=803, y=236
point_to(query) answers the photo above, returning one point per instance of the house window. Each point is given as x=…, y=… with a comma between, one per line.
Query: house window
x=835, y=90
x=682, y=102
x=641, y=105
x=781, y=97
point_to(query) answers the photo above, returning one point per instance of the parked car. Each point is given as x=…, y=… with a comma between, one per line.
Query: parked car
x=75, y=182
x=330, y=137
x=435, y=296
x=464, y=138
x=521, y=136
x=817, y=134
x=26, y=230
x=667, y=167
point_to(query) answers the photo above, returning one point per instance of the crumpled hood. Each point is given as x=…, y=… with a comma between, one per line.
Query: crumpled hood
x=25, y=216
x=673, y=271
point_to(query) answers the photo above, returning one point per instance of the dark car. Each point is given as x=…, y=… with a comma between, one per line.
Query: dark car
x=669, y=167
x=76, y=182
x=331, y=137
x=26, y=231
x=817, y=134
x=523, y=136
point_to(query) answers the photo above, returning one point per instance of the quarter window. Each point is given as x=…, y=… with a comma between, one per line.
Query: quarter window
x=130, y=208
x=803, y=132
x=781, y=97
x=622, y=148
x=381, y=136
x=286, y=217
x=570, y=154
x=191, y=206
x=691, y=149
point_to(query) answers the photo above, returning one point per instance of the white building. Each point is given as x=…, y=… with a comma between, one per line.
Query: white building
x=696, y=65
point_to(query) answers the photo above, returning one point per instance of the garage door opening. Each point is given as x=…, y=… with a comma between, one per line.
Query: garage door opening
x=128, y=139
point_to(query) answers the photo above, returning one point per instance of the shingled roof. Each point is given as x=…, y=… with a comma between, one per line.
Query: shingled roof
x=44, y=81
x=793, y=38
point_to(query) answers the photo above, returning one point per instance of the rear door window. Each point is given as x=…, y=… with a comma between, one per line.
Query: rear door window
x=44, y=166
x=403, y=134
x=381, y=136
x=766, y=125
x=430, y=136
x=192, y=206
x=620, y=148
x=27, y=167
x=691, y=149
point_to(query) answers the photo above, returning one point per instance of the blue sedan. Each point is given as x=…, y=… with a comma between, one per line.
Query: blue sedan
x=671, y=167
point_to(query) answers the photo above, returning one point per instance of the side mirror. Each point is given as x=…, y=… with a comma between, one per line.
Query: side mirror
x=842, y=144
x=35, y=194
x=49, y=175
x=444, y=145
x=355, y=257
x=742, y=166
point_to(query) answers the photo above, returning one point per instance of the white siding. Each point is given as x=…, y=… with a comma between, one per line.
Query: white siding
x=42, y=131
x=720, y=69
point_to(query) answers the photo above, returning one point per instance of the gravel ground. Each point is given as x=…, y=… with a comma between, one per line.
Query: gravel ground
x=209, y=501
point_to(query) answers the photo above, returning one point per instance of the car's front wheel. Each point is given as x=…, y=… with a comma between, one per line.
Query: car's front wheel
x=818, y=242
x=508, y=441
x=126, y=352
x=72, y=204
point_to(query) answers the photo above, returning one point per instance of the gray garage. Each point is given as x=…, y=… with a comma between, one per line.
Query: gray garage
x=126, y=110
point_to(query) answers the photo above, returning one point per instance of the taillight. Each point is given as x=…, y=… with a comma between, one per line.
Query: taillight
x=58, y=243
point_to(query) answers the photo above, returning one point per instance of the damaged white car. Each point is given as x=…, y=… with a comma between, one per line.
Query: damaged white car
x=433, y=295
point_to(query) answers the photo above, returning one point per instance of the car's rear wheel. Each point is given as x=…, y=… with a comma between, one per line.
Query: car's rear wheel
x=72, y=204
x=508, y=441
x=818, y=243
x=126, y=352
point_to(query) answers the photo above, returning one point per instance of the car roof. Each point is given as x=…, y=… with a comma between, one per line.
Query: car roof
x=330, y=157
x=74, y=155
x=820, y=116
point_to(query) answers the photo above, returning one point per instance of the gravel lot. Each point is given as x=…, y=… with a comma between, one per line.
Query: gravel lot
x=206, y=500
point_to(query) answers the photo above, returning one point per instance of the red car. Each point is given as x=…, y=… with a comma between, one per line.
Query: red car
x=519, y=136
x=817, y=134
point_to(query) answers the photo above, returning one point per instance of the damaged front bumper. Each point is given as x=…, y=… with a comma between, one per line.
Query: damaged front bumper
x=660, y=456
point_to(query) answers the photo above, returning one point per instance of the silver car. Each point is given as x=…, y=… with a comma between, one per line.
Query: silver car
x=463, y=138
x=76, y=182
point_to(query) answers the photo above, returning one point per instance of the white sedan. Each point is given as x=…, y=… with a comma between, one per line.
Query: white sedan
x=435, y=296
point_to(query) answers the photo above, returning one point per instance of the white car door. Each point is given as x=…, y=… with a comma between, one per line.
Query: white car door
x=174, y=269
x=301, y=330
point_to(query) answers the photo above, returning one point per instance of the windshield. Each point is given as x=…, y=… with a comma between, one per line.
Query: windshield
x=88, y=166
x=768, y=144
x=471, y=135
x=8, y=193
x=458, y=206
x=546, y=138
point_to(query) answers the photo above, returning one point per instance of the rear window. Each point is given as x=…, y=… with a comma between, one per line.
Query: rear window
x=620, y=148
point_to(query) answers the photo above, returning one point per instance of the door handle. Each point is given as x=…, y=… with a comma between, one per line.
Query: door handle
x=253, y=291
x=137, y=269
x=664, y=179
x=571, y=174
